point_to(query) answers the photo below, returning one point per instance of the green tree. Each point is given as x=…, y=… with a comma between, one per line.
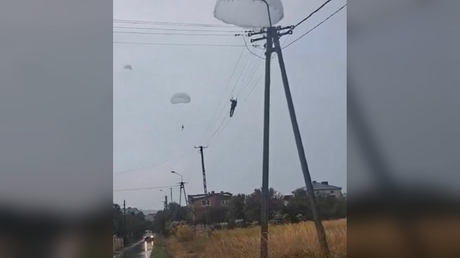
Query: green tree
x=117, y=220
x=235, y=208
x=253, y=206
x=328, y=207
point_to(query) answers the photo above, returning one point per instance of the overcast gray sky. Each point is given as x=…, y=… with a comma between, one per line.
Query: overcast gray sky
x=147, y=127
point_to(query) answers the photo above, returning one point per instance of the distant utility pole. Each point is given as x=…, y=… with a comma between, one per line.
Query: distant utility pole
x=170, y=191
x=166, y=202
x=204, y=187
x=181, y=189
x=124, y=223
x=272, y=35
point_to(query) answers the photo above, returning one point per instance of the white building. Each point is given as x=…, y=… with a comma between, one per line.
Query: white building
x=320, y=188
x=325, y=189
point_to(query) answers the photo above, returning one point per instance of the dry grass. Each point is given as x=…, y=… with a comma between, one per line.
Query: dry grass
x=384, y=237
x=286, y=241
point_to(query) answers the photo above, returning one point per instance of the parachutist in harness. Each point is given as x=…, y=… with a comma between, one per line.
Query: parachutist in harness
x=233, y=106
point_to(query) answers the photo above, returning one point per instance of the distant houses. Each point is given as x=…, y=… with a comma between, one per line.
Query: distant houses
x=197, y=202
x=321, y=189
x=325, y=189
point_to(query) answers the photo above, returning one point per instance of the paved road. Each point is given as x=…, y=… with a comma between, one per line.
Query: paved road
x=137, y=251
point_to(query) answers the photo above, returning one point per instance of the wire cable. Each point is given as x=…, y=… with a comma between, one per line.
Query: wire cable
x=151, y=166
x=172, y=34
x=311, y=14
x=226, y=87
x=301, y=36
x=253, y=87
x=256, y=67
x=146, y=188
x=175, y=44
x=233, y=89
x=247, y=47
x=171, y=23
x=217, y=131
x=171, y=29
x=241, y=74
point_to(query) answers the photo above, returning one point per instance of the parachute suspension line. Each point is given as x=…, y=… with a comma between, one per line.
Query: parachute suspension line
x=242, y=71
x=251, y=74
x=216, y=132
x=223, y=93
x=253, y=87
x=254, y=71
x=224, y=102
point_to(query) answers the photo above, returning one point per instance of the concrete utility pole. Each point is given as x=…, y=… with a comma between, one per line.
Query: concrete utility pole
x=124, y=223
x=170, y=191
x=303, y=160
x=272, y=35
x=181, y=188
x=204, y=187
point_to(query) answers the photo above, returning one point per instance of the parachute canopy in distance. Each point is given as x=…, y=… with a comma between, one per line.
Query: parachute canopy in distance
x=249, y=14
x=180, y=98
x=128, y=67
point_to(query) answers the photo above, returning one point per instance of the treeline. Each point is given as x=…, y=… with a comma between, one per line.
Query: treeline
x=245, y=210
x=135, y=224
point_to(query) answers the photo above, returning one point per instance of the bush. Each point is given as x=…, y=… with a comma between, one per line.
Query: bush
x=184, y=233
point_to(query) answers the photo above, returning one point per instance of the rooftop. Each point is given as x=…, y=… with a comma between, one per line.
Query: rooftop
x=212, y=193
x=324, y=185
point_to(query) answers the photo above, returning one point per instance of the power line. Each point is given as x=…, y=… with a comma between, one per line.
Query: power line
x=171, y=23
x=213, y=134
x=171, y=29
x=247, y=47
x=311, y=14
x=145, y=188
x=151, y=166
x=301, y=36
x=172, y=34
x=247, y=76
x=306, y=18
x=250, y=78
x=222, y=126
x=217, y=131
x=253, y=87
x=241, y=74
x=226, y=87
x=176, y=44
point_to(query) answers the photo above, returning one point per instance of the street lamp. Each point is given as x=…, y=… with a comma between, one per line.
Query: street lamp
x=181, y=188
x=181, y=177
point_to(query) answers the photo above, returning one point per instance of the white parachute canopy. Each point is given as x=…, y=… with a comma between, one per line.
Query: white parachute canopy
x=249, y=14
x=128, y=67
x=180, y=98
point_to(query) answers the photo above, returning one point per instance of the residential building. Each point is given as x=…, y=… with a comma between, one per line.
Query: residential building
x=325, y=189
x=321, y=189
x=197, y=202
